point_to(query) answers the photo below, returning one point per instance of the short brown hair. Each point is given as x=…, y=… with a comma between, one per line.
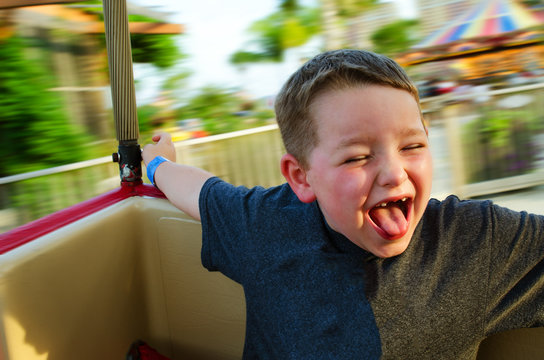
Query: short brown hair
x=331, y=70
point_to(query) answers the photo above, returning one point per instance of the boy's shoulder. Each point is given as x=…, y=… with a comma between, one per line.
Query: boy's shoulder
x=453, y=205
x=261, y=204
x=453, y=217
x=280, y=193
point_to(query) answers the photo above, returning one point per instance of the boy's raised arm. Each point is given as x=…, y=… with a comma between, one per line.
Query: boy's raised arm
x=180, y=183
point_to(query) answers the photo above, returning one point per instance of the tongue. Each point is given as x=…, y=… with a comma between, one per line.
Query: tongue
x=390, y=219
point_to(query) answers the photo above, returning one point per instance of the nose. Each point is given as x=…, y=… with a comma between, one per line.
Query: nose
x=392, y=171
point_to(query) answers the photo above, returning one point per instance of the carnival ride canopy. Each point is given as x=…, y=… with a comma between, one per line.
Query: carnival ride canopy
x=490, y=25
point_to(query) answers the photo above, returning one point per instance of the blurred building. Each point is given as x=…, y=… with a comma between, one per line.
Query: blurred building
x=435, y=14
x=64, y=39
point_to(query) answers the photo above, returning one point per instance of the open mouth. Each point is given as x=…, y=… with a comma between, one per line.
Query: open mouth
x=391, y=218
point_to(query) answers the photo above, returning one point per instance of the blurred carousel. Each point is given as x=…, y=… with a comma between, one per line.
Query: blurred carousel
x=495, y=38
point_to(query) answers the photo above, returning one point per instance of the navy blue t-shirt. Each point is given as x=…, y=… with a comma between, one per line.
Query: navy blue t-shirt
x=304, y=283
x=472, y=269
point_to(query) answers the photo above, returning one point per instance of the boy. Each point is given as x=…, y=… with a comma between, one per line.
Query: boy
x=350, y=259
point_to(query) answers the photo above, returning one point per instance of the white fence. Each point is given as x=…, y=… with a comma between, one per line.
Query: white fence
x=248, y=157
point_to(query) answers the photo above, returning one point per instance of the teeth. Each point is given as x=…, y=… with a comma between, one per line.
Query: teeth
x=384, y=204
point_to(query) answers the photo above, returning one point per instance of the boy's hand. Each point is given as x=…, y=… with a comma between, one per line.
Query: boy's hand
x=163, y=147
x=180, y=183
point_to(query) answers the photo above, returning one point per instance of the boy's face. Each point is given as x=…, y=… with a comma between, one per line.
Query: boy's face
x=371, y=171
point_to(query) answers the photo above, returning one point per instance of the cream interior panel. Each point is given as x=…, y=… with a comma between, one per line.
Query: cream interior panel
x=206, y=310
x=75, y=293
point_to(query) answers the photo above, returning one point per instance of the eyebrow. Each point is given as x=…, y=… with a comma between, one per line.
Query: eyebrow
x=352, y=141
x=405, y=132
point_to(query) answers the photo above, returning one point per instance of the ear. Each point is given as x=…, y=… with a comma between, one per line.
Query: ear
x=295, y=175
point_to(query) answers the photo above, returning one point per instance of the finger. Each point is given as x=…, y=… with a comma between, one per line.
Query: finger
x=146, y=153
x=164, y=137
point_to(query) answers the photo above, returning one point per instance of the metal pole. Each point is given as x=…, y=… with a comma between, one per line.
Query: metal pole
x=122, y=90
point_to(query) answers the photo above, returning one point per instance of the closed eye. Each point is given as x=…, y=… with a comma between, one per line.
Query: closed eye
x=357, y=159
x=413, y=147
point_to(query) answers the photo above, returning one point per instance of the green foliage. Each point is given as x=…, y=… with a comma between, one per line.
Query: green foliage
x=268, y=32
x=263, y=115
x=290, y=26
x=289, y=5
x=96, y=7
x=141, y=18
x=34, y=130
x=395, y=37
x=146, y=116
x=93, y=7
x=176, y=81
x=353, y=8
x=501, y=143
x=221, y=110
x=214, y=107
x=245, y=57
x=533, y=3
x=159, y=50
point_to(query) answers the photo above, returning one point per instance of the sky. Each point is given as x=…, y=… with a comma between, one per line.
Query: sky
x=214, y=29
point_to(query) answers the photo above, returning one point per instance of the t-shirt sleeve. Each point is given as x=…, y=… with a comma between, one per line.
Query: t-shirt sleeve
x=516, y=270
x=226, y=214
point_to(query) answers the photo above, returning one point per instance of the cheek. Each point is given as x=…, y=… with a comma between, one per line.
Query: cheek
x=351, y=187
x=428, y=165
x=422, y=171
x=422, y=178
x=427, y=174
x=340, y=187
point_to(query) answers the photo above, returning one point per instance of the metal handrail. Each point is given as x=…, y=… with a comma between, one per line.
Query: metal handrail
x=54, y=170
x=107, y=159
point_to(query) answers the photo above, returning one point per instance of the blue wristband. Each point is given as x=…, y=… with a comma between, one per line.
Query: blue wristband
x=152, y=167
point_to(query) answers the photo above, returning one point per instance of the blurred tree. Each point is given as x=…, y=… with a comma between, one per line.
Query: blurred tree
x=146, y=118
x=291, y=26
x=163, y=111
x=34, y=129
x=215, y=107
x=533, y=3
x=350, y=9
x=159, y=50
x=222, y=110
x=175, y=85
x=395, y=37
